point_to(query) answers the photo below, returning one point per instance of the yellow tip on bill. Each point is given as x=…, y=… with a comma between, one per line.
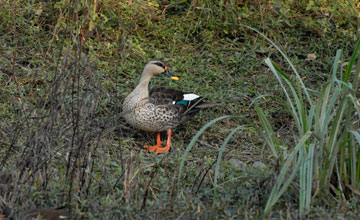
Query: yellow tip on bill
x=174, y=78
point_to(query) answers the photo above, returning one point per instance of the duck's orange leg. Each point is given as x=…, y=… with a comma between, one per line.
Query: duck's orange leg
x=162, y=150
x=158, y=144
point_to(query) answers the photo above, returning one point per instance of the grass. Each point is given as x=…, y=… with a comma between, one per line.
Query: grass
x=65, y=69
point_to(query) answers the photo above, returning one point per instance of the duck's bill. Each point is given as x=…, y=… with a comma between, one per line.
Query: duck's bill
x=167, y=73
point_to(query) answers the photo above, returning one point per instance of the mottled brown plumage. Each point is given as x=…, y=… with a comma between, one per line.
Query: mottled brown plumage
x=7, y=182
x=43, y=213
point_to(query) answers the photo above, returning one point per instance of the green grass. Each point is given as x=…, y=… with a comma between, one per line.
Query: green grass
x=60, y=103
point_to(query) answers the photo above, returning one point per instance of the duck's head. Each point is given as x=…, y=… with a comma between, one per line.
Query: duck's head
x=156, y=67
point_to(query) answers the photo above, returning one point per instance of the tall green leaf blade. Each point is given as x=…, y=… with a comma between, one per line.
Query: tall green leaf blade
x=351, y=63
x=280, y=185
x=269, y=132
x=335, y=67
x=194, y=139
x=306, y=176
x=334, y=141
x=302, y=182
x=294, y=112
x=355, y=102
x=310, y=167
x=287, y=59
x=218, y=161
x=356, y=135
x=297, y=96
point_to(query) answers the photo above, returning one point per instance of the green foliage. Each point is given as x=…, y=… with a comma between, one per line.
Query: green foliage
x=330, y=117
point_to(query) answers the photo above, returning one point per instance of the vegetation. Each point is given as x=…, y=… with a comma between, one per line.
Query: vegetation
x=283, y=143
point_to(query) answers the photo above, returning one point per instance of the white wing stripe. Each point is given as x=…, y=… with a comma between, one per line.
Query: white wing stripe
x=190, y=97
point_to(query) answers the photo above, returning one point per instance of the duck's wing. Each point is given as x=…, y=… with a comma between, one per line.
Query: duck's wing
x=165, y=96
x=185, y=104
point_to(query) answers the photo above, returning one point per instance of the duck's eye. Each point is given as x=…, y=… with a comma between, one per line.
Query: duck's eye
x=161, y=65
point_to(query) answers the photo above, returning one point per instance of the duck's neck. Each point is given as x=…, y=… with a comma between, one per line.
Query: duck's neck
x=145, y=78
x=144, y=85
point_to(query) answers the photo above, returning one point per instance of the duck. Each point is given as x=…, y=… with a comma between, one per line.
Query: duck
x=161, y=108
x=41, y=213
x=7, y=179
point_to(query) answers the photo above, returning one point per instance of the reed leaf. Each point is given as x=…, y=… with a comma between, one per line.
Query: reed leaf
x=218, y=161
x=282, y=182
x=269, y=133
x=195, y=138
x=286, y=58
